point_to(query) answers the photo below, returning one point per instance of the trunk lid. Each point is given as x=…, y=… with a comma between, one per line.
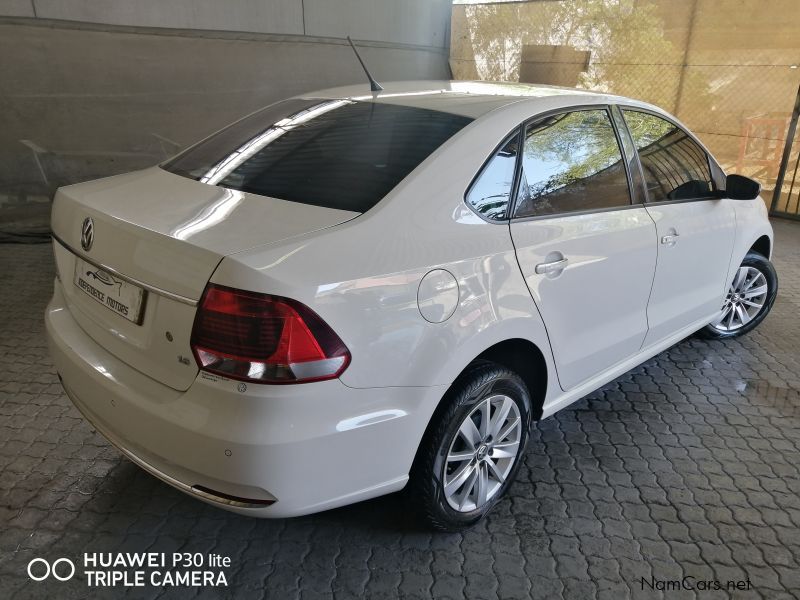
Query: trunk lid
x=164, y=234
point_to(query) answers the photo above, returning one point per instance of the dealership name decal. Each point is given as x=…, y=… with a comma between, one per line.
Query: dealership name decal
x=138, y=569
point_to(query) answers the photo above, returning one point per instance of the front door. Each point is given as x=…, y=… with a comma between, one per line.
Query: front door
x=695, y=230
x=587, y=254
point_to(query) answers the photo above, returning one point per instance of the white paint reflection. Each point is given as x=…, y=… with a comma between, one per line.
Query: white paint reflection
x=481, y=88
x=369, y=419
x=210, y=215
x=229, y=164
x=283, y=258
x=104, y=372
x=508, y=89
x=384, y=95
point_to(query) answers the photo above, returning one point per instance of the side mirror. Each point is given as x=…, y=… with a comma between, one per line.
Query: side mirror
x=739, y=187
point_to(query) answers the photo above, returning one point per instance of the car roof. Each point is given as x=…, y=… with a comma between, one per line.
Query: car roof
x=468, y=98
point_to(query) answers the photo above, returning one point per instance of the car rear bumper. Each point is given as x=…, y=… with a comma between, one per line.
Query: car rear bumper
x=267, y=451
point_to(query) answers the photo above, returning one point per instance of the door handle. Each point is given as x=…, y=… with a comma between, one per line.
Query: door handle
x=670, y=240
x=552, y=266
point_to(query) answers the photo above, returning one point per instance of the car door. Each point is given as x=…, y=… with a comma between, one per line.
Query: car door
x=695, y=228
x=587, y=252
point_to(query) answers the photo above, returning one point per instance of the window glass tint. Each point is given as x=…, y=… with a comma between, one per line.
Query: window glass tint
x=675, y=166
x=333, y=153
x=571, y=162
x=491, y=191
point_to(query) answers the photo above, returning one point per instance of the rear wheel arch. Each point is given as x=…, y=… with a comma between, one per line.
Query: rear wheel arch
x=526, y=360
x=513, y=364
x=521, y=356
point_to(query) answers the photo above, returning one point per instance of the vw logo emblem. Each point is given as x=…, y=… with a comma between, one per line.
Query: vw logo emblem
x=483, y=450
x=87, y=234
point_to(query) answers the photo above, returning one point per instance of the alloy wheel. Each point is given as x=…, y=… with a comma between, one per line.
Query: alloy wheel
x=482, y=453
x=746, y=298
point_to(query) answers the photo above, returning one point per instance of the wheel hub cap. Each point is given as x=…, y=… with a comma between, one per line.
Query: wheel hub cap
x=745, y=300
x=482, y=453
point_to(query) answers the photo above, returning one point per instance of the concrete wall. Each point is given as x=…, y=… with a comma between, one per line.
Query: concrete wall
x=86, y=92
x=421, y=22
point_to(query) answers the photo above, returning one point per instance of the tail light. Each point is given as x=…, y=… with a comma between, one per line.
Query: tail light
x=264, y=339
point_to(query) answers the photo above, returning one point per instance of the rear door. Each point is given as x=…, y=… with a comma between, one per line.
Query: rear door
x=695, y=228
x=587, y=252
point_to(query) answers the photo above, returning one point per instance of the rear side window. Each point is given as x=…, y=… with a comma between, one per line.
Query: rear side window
x=571, y=162
x=490, y=193
x=675, y=166
x=338, y=154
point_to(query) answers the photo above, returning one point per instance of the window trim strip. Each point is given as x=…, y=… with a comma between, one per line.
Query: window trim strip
x=617, y=116
x=578, y=213
x=631, y=191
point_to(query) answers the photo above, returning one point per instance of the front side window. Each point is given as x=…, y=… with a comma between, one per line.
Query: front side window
x=340, y=154
x=490, y=194
x=571, y=162
x=675, y=166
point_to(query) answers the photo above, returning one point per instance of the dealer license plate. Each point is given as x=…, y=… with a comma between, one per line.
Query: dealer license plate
x=122, y=297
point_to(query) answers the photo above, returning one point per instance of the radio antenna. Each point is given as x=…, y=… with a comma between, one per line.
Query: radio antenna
x=373, y=85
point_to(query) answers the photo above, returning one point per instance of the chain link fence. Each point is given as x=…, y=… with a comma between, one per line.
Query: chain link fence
x=727, y=68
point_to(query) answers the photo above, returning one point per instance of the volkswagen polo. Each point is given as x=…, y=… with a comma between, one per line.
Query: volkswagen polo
x=351, y=292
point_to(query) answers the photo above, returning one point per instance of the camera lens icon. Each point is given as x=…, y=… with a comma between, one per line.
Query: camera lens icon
x=62, y=569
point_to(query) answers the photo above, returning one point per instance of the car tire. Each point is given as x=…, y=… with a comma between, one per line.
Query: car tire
x=743, y=310
x=441, y=474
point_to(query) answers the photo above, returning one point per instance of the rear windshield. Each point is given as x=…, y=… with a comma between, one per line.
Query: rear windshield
x=334, y=153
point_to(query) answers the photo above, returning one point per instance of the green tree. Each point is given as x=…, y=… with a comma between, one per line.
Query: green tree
x=630, y=55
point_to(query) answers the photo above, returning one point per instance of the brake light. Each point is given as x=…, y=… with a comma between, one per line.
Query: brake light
x=265, y=339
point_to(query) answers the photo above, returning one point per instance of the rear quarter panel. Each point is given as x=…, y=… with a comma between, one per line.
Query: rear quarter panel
x=365, y=286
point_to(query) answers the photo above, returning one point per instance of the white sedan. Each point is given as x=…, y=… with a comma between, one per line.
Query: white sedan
x=350, y=292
